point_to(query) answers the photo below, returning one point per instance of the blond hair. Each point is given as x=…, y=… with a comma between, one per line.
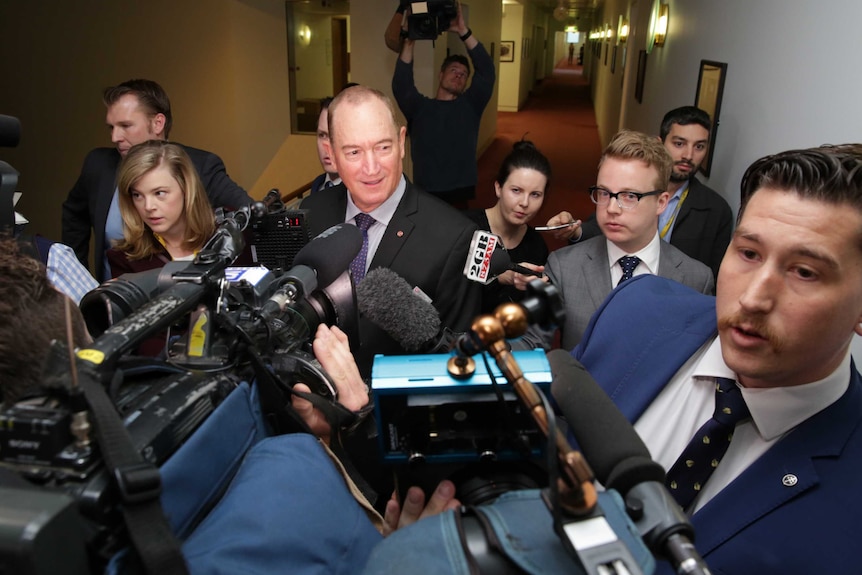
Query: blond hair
x=138, y=241
x=631, y=145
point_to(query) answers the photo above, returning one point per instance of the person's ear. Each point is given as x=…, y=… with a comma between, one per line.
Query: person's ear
x=663, y=199
x=497, y=189
x=158, y=125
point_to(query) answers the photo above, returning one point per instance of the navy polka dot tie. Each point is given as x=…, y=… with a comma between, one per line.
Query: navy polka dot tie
x=628, y=264
x=704, y=452
x=357, y=266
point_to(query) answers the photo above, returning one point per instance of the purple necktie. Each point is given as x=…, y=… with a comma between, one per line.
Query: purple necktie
x=357, y=266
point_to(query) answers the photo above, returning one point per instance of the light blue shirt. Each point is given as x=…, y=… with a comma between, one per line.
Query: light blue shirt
x=382, y=214
x=113, y=231
x=669, y=210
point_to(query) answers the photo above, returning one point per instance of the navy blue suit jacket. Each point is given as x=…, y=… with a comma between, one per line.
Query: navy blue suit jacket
x=794, y=510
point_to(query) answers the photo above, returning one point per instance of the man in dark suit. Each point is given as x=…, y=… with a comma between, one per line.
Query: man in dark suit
x=138, y=110
x=419, y=237
x=630, y=196
x=330, y=176
x=697, y=220
x=781, y=499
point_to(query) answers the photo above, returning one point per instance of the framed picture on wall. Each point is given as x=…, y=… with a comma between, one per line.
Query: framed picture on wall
x=507, y=51
x=641, y=78
x=710, y=87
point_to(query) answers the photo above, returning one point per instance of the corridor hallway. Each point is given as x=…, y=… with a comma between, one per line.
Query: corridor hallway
x=559, y=119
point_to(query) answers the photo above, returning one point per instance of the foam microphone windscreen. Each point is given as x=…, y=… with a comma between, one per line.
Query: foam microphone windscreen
x=330, y=253
x=607, y=440
x=388, y=301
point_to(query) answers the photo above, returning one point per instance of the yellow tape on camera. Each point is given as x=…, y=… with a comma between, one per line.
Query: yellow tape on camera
x=92, y=355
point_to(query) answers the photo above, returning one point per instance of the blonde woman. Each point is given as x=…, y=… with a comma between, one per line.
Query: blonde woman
x=165, y=210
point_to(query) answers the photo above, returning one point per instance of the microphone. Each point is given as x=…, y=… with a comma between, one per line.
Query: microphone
x=488, y=258
x=319, y=263
x=615, y=451
x=329, y=254
x=621, y=461
x=388, y=301
x=10, y=131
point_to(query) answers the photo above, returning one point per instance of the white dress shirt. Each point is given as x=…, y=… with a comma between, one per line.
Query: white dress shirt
x=688, y=401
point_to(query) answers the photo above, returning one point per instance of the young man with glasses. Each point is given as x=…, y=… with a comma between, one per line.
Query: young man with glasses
x=629, y=195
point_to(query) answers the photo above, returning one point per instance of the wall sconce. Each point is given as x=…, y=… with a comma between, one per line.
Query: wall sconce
x=304, y=34
x=608, y=31
x=623, y=32
x=661, y=26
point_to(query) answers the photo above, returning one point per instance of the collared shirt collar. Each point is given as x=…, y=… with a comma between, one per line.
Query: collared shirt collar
x=649, y=254
x=384, y=212
x=335, y=181
x=777, y=410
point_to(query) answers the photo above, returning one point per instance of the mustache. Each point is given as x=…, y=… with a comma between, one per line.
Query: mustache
x=753, y=323
x=685, y=163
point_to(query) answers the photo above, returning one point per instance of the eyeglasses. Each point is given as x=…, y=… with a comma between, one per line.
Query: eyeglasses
x=625, y=200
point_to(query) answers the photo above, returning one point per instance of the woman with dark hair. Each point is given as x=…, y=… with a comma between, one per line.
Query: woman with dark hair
x=165, y=210
x=520, y=185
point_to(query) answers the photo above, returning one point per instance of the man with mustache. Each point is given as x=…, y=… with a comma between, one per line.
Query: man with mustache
x=629, y=195
x=773, y=349
x=697, y=220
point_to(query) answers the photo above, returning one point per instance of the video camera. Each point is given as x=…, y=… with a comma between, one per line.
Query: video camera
x=430, y=18
x=242, y=323
x=442, y=416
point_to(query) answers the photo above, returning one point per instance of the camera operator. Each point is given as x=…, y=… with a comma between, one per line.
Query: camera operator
x=444, y=130
x=332, y=350
x=316, y=488
x=33, y=315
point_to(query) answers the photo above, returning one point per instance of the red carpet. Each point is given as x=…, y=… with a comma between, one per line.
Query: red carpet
x=559, y=118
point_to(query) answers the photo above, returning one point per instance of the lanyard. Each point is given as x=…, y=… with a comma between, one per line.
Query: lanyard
x=669, y=223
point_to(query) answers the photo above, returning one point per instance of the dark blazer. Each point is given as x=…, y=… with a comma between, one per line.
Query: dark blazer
x=702, y=230
x=86, y=207
x=318, y=182
x=794, y=510
x=426, y=243
x=581, y=274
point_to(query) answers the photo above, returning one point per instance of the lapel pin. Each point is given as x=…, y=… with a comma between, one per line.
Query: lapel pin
x=789, y=480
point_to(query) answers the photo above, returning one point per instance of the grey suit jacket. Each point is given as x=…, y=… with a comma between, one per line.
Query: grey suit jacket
x=580, y=272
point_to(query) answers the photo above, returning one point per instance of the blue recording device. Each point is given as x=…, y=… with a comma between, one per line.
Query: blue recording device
x=424, y=414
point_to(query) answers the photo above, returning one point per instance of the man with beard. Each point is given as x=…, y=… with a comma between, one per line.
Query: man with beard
x=697, y=220
x=444, y=130
x=761, y=375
